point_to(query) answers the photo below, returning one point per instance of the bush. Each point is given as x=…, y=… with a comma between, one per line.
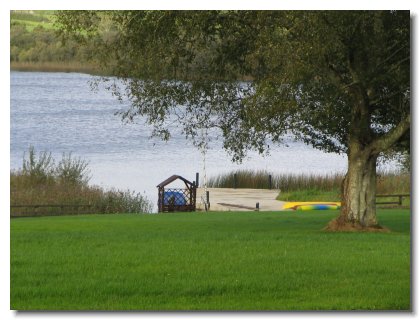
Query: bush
x=72, y=171
x=38, y=169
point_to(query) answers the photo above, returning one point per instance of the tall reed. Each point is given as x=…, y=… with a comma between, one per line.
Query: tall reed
x=388, y=182
x=259, y=179
x=392, y=182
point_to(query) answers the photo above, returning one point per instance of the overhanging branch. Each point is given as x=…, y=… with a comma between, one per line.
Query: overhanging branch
x=386, y=141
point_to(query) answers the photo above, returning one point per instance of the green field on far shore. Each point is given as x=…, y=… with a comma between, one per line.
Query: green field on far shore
x=208, y=261
x=32, y=19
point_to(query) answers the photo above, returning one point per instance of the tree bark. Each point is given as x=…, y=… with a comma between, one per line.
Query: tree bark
x=358, y=210
x=359, y=191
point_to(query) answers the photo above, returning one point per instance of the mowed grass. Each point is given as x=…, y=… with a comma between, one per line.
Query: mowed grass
x=208, y=261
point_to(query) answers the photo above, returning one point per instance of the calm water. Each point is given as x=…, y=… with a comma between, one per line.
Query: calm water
x=58, y=112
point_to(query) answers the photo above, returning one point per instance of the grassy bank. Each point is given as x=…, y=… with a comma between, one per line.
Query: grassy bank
x=308, y=187
x=212, y=261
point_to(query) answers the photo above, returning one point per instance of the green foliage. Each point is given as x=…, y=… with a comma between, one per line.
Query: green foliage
x=72, y=170
x=42, y=167
x=213, y=261
x=38, y=168
x=30, y=15
x=35, y=42
x=347, y=79
x=406, y=162
x=343, y=86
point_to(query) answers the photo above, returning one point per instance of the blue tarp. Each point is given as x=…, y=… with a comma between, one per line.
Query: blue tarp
x=178, y=198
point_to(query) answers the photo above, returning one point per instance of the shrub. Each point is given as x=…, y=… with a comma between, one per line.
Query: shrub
x=40, y=168
x=72, y=170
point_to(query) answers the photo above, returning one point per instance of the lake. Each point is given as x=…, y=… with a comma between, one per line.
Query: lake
x=58, y=112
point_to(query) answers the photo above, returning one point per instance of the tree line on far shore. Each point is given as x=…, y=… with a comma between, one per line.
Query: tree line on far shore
x=36, y=45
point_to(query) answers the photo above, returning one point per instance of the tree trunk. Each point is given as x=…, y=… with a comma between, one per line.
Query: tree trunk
x=358, y=210
x=359, y=191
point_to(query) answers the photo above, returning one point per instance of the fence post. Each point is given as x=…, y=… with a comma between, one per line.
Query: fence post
x=208, y=199
x=269, y=182
x=197, y=176
x=234, y=181
x=400, y=200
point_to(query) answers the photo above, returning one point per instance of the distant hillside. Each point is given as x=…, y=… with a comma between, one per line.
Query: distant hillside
x=32, y=19
x=35, y=45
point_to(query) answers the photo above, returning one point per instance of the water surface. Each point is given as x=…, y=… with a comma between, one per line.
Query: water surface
x=59, y=112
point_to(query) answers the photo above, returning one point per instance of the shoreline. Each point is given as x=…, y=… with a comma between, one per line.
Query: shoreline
x=66, y=67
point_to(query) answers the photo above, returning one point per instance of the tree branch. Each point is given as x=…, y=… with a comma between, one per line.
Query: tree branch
x=379, y=99
x=390, y=57
x=386, y=141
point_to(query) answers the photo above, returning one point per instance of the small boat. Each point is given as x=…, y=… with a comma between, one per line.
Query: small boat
x=304, y=206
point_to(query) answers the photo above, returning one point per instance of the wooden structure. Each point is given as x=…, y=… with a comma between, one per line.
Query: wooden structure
x=399, y=196
x=176, y=199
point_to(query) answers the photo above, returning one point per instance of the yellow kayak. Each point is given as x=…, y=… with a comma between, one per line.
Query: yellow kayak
x=312, y=205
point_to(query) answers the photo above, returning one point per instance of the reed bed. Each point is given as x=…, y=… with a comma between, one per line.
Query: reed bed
x=64, y=187
x=75, y=199
x=306, y=187
x=259, y=179
x=390, y=182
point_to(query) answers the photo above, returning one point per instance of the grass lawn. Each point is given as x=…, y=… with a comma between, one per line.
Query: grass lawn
x=208, y=261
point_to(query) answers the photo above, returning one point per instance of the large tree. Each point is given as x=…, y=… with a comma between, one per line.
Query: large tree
x=338, y=80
